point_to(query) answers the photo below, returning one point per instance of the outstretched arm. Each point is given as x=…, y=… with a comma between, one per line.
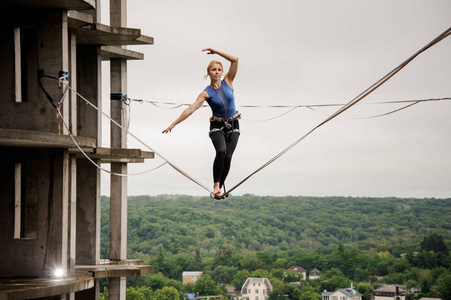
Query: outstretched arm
x=230, y=76
x=189, y=111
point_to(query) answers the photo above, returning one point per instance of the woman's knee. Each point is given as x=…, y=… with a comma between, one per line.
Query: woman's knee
x=221, y=152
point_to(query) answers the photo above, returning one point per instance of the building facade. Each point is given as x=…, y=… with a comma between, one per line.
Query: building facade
x=342, y=294
x=314, y=274
x=51, y=148
x=390, y=292
x=256, y=289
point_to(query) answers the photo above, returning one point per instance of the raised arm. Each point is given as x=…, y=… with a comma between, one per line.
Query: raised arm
x=188, y=111
x=230, y=76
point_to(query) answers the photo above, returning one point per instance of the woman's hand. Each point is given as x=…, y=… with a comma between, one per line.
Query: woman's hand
x=210, y=51
x=167, y=130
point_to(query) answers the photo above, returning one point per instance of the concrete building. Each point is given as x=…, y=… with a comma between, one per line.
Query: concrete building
x=49, y=173
x=256, y=289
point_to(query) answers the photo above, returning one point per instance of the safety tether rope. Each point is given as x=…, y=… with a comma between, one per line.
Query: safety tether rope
x=93, y=162
x=59, y=115
x=347, y=106
x=139, y=140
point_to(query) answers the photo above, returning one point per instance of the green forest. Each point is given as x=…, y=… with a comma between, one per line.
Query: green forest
x=406, y=241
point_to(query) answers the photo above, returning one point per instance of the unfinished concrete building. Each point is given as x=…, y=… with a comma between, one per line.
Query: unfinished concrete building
x=49, y=190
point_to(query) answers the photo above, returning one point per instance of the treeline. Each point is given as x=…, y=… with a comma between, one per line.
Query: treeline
x=349, y=238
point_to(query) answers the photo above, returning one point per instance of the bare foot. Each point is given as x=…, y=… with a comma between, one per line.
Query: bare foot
x=217, y=191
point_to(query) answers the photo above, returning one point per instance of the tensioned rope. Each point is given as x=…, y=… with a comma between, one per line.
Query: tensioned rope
x=293, y=107
x=347, y=106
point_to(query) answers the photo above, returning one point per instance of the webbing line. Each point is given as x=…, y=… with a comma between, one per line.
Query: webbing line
x=349, y=104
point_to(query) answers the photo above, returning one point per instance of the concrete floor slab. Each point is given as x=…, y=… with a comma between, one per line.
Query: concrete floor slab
x=27, y=288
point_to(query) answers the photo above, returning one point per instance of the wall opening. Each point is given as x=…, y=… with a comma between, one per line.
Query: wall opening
x=26, y=63
x=25, y=208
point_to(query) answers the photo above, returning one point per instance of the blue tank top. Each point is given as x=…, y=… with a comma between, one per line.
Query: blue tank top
x=221, y=101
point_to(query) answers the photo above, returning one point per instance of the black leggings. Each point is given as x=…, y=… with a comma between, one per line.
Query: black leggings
x=225, y=146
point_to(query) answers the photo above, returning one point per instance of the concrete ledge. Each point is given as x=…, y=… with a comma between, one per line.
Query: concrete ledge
x=112, y=155
x=109, y=52
x=100, y=34
x=40, y=139
x=128, y=268
x=77, y=18
x=28, y=288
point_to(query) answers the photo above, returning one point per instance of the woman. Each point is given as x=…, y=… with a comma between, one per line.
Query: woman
x=224, y=126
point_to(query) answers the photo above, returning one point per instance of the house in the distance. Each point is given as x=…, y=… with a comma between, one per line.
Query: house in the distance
x=297, y=269
x=314, y=274
x=342, y=294
x=256, y=289
x=231, y=291
x=386, y=292
x=191, y=276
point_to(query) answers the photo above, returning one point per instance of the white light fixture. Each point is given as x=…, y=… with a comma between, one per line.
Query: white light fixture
x=59, y=273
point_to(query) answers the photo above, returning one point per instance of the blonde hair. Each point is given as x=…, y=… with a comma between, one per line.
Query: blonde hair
x=211, y=64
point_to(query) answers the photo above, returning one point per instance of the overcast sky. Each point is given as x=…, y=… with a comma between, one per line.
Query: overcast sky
x=295, y=52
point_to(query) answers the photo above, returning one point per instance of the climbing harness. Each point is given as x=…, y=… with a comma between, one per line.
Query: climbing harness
x=227, y=126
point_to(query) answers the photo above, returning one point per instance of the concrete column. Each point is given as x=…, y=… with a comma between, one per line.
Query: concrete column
x=72, y=212
x=72, y=217
x=118, y=213
x=118, y=204
x=65, y=67
x=88, y=214
x=65, y=213
x=118, y=186
x=118, y=288
x=73, y=100
x=118, y=70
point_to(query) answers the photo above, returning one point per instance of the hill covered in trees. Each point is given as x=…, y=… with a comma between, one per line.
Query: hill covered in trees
x=352, y=238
